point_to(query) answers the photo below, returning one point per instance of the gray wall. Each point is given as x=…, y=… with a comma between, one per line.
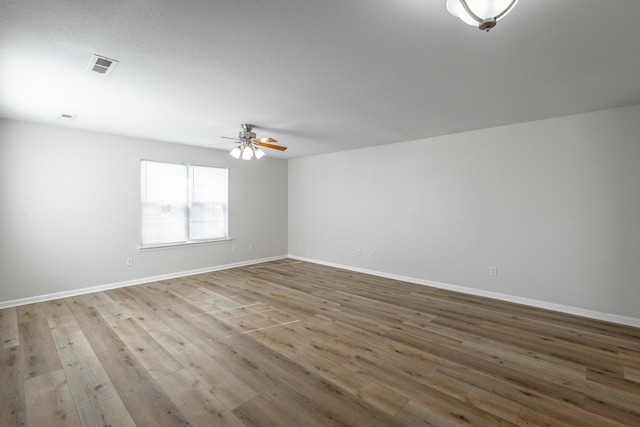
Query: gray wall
x=553, y=204
x=70, y=210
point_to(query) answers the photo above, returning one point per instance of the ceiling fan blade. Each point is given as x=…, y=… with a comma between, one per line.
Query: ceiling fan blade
x=265, y=140
x=222, y=142
x=275, y=147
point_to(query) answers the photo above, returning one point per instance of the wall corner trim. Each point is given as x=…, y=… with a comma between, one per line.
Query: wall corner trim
x=607, y=317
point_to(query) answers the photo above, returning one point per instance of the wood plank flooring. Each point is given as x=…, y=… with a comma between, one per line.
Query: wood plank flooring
x=289, y=343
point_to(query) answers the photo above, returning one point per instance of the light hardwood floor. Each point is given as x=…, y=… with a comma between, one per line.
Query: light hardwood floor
x=291, y=343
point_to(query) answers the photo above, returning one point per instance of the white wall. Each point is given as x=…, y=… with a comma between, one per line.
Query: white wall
x=553, y=204
x=70, y=210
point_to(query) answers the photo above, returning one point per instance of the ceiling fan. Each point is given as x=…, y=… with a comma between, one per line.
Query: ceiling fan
x=248, y=145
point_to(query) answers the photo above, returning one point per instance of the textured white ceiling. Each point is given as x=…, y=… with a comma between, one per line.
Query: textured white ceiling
x=319, y=76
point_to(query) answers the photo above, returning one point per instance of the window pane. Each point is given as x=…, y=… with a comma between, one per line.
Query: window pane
x=208, y=217
x=209, y=184
x=164, y=183
x=207, y=221
x=163, y=223
x=164, y=203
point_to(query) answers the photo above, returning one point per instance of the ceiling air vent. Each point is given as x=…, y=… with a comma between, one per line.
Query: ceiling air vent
x=102, y=65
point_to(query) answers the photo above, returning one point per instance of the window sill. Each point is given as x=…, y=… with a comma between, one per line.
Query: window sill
x=174, y=245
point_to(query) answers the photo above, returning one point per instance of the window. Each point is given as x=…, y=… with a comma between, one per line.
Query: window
x=182, y=204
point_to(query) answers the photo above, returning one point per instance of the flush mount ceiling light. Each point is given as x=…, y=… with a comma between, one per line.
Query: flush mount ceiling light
x=482, y=13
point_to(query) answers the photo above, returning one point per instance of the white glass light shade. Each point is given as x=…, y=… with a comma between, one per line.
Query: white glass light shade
x=247, y=153
x=235, y=153
x=482, y=8
x=259, y=153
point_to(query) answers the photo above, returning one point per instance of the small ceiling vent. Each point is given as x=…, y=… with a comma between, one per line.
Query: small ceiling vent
x=102, y=65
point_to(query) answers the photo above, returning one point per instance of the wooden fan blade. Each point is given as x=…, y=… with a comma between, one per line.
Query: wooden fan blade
x=275, y=147
x=265, y=140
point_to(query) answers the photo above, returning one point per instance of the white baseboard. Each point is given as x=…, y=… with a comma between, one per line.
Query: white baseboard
x=614, y=318
x=82, y=291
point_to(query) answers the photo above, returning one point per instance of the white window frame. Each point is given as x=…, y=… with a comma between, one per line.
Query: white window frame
x=189, y=191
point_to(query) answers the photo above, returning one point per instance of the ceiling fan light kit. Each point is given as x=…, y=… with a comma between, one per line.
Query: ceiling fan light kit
x=247, y=152
x=481, y=13
x=249, y=146
x=235, y=153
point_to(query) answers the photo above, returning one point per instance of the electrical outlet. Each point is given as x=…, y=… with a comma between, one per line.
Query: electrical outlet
x=250, y=246
x=372, y=254
x=300, y=244
x=358, y=252
x=129, y=262
x=234, y=249
x=493, y=271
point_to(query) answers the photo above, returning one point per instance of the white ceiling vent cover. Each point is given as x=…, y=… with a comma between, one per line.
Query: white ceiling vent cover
x=102, y=65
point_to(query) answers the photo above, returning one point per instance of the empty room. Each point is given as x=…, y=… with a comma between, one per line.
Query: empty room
x=329, y=213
